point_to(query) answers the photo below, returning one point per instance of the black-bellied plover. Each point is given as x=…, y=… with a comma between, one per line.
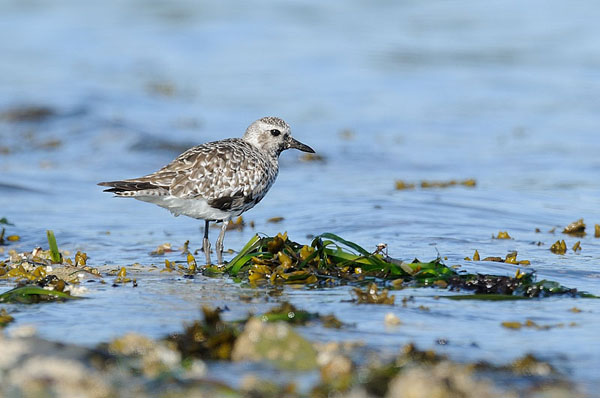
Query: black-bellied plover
x=217, y=180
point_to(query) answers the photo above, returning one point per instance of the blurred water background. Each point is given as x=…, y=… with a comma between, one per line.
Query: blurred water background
x=505, y=92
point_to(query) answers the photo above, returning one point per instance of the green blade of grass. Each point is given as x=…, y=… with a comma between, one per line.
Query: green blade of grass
x=352, y=245
x=234, y=266
x=342, y=257
x=33, y=294
x=54, y=253
x=241, y=263
x=371, y=257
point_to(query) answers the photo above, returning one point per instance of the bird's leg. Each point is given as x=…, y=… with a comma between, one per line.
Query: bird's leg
x=220, y=241
x=206, y=243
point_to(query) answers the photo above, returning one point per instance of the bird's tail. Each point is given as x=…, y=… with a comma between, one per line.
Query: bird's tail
x=131, y=188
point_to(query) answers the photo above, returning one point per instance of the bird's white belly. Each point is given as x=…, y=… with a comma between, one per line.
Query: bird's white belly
x=195, y=208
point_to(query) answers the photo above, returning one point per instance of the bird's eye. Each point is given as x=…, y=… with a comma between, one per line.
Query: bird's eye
x=275, y=132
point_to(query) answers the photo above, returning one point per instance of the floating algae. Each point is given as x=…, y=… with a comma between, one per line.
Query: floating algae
x=476, y=257
x=121, y=278
x=531, y=325
x=502, y=235
x=510, y=258
x=576, y=228
x=5, y=318
x=7, y=238
x=162, y=249
x=371, y=295
x=469, y=182
x=559, y=247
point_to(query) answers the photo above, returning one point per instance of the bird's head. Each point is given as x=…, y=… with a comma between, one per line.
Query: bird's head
x=273, y=135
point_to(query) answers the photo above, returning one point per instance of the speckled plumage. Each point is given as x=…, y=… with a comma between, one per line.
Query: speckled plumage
x=217, y=180
x=230, y=175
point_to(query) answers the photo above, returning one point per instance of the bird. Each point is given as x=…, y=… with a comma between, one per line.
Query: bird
x=218, y=180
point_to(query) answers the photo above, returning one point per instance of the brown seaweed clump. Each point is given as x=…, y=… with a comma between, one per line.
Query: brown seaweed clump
x=559, y=247
x=208, y=339
x=576, y=228
x=371, y=295
x=425, y=184
x=5, y=318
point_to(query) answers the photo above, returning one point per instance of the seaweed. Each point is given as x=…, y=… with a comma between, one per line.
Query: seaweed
x=371, y=295
x=330, y=260
x=510, y=258
x=576, y=228
x=209, y=339
x=44, y=275
x=280, y=260
x=122, y=278
x=498, y=287
x=162, y=249
x=425, y=184
x=54, y=253
x=532, y=325
x=33, y=294
x=286, y=312
x=559, y=247
x=502, y=235
x=9, y=238
x=5, y=318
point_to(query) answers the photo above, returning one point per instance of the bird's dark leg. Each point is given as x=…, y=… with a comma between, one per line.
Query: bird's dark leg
x=220, y=242
x=206, y=243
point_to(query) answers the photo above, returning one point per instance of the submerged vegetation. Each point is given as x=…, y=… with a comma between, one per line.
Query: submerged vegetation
x=330, y=260
x=178, y=362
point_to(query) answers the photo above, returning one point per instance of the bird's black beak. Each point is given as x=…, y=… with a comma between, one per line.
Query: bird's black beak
x=293, y=143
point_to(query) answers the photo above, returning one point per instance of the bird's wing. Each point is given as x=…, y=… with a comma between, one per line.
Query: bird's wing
x=224, y=169
x=215, y=170
x=227, y=173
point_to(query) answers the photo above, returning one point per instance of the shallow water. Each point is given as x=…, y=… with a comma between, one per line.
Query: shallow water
x=504, y=92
